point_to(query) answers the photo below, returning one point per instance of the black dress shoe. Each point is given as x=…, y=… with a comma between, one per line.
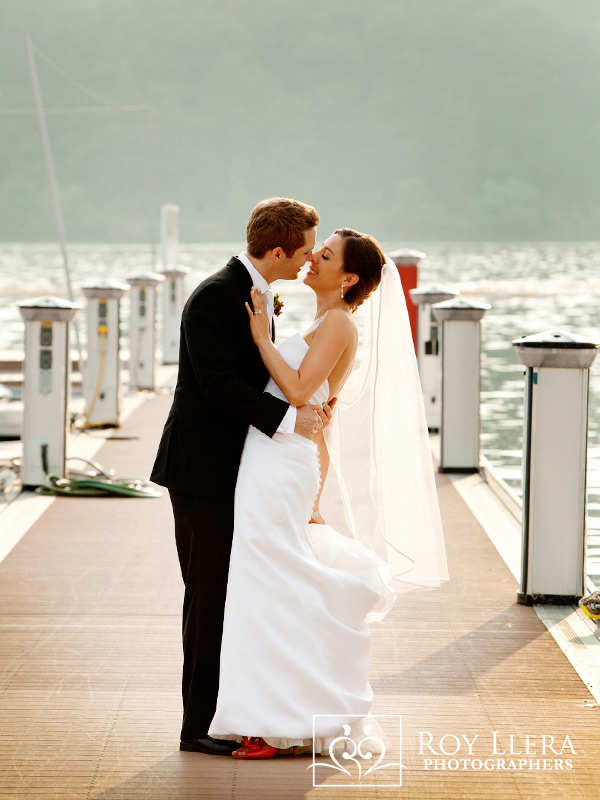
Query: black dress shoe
x=209, y=745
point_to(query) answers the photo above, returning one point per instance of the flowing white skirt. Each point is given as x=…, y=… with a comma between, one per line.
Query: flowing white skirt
x=296, y=648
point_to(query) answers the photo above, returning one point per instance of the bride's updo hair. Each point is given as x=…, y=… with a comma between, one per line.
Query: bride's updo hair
x=364, y=257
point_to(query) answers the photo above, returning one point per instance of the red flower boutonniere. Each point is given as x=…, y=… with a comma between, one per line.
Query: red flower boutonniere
x=277, y=305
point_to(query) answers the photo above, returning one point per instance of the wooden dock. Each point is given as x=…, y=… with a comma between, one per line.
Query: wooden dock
x=90, y=660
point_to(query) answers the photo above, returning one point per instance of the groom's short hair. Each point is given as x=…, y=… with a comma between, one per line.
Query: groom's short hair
x=279, y=222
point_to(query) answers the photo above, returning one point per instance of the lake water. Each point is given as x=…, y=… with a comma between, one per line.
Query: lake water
x=531, y=287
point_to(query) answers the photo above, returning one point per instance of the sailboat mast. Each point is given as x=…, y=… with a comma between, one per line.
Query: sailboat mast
x=51, y=173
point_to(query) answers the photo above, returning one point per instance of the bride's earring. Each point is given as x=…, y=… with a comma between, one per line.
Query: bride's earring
x=342, y=291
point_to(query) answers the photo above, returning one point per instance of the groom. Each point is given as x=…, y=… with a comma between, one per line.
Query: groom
x=219, y=393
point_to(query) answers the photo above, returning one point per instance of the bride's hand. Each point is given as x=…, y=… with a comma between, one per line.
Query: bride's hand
x=259, y=319
x=326, y=412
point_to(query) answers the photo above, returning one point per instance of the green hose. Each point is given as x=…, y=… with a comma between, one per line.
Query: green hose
x=53, y=484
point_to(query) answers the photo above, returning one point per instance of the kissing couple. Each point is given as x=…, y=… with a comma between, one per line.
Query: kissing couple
x=277, y=603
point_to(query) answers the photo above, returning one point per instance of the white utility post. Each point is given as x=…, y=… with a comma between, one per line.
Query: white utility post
x=173, y=292
x=102, y=379
x=461, y=370
x=554, y=465
x=46, y=387
x=142, y=329
x=429, y=356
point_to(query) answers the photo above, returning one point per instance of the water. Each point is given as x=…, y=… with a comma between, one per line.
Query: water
x=531, y=287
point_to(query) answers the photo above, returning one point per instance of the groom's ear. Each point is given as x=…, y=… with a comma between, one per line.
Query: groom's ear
x=277, y=253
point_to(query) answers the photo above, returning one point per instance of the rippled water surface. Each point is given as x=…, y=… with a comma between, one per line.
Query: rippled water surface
x=530, y=287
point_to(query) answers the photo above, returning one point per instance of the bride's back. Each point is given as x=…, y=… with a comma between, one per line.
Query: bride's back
x=343, y=367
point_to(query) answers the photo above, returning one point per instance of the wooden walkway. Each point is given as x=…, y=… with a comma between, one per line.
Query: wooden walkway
x=90, y=661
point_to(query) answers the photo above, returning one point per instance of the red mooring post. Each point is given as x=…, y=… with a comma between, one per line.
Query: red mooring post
x=407, y=262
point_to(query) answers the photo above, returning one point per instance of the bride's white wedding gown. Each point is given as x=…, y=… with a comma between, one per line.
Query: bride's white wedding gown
x=295, y=641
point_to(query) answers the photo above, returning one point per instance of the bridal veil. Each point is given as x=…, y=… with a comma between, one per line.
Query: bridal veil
x=381, y=489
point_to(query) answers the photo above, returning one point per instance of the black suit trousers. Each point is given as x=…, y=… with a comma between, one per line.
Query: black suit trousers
x=203, y=534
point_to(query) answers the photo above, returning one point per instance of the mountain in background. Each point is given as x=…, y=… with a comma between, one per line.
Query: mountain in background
x=411, y=119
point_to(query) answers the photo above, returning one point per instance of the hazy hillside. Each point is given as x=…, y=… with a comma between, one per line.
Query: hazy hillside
x=422, y=119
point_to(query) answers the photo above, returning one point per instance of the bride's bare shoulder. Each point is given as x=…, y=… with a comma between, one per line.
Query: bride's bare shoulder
x=334, y=323
x=338, y=317
x=339, y=320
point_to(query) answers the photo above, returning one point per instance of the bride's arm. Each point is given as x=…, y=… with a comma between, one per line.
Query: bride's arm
x=334, y=335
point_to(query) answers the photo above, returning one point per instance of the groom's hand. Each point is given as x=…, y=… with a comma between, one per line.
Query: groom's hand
x=308, y=420
x=312, y=419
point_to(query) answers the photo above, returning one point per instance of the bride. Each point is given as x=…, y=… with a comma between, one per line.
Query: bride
x=296, y=644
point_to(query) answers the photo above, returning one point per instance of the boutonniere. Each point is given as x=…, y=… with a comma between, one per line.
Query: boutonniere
x=277, y=305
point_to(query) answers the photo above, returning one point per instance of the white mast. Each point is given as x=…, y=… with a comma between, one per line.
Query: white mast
x=51, y=174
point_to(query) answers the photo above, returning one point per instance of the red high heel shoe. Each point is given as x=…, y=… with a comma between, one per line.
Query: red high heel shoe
x=255, y=747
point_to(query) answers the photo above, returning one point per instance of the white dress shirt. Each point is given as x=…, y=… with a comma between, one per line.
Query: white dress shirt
x=288, y=423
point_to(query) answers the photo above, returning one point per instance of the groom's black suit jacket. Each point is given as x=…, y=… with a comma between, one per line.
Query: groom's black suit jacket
x=219, y=390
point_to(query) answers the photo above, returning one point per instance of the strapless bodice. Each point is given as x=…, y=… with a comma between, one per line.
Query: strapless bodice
x=293, y=351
